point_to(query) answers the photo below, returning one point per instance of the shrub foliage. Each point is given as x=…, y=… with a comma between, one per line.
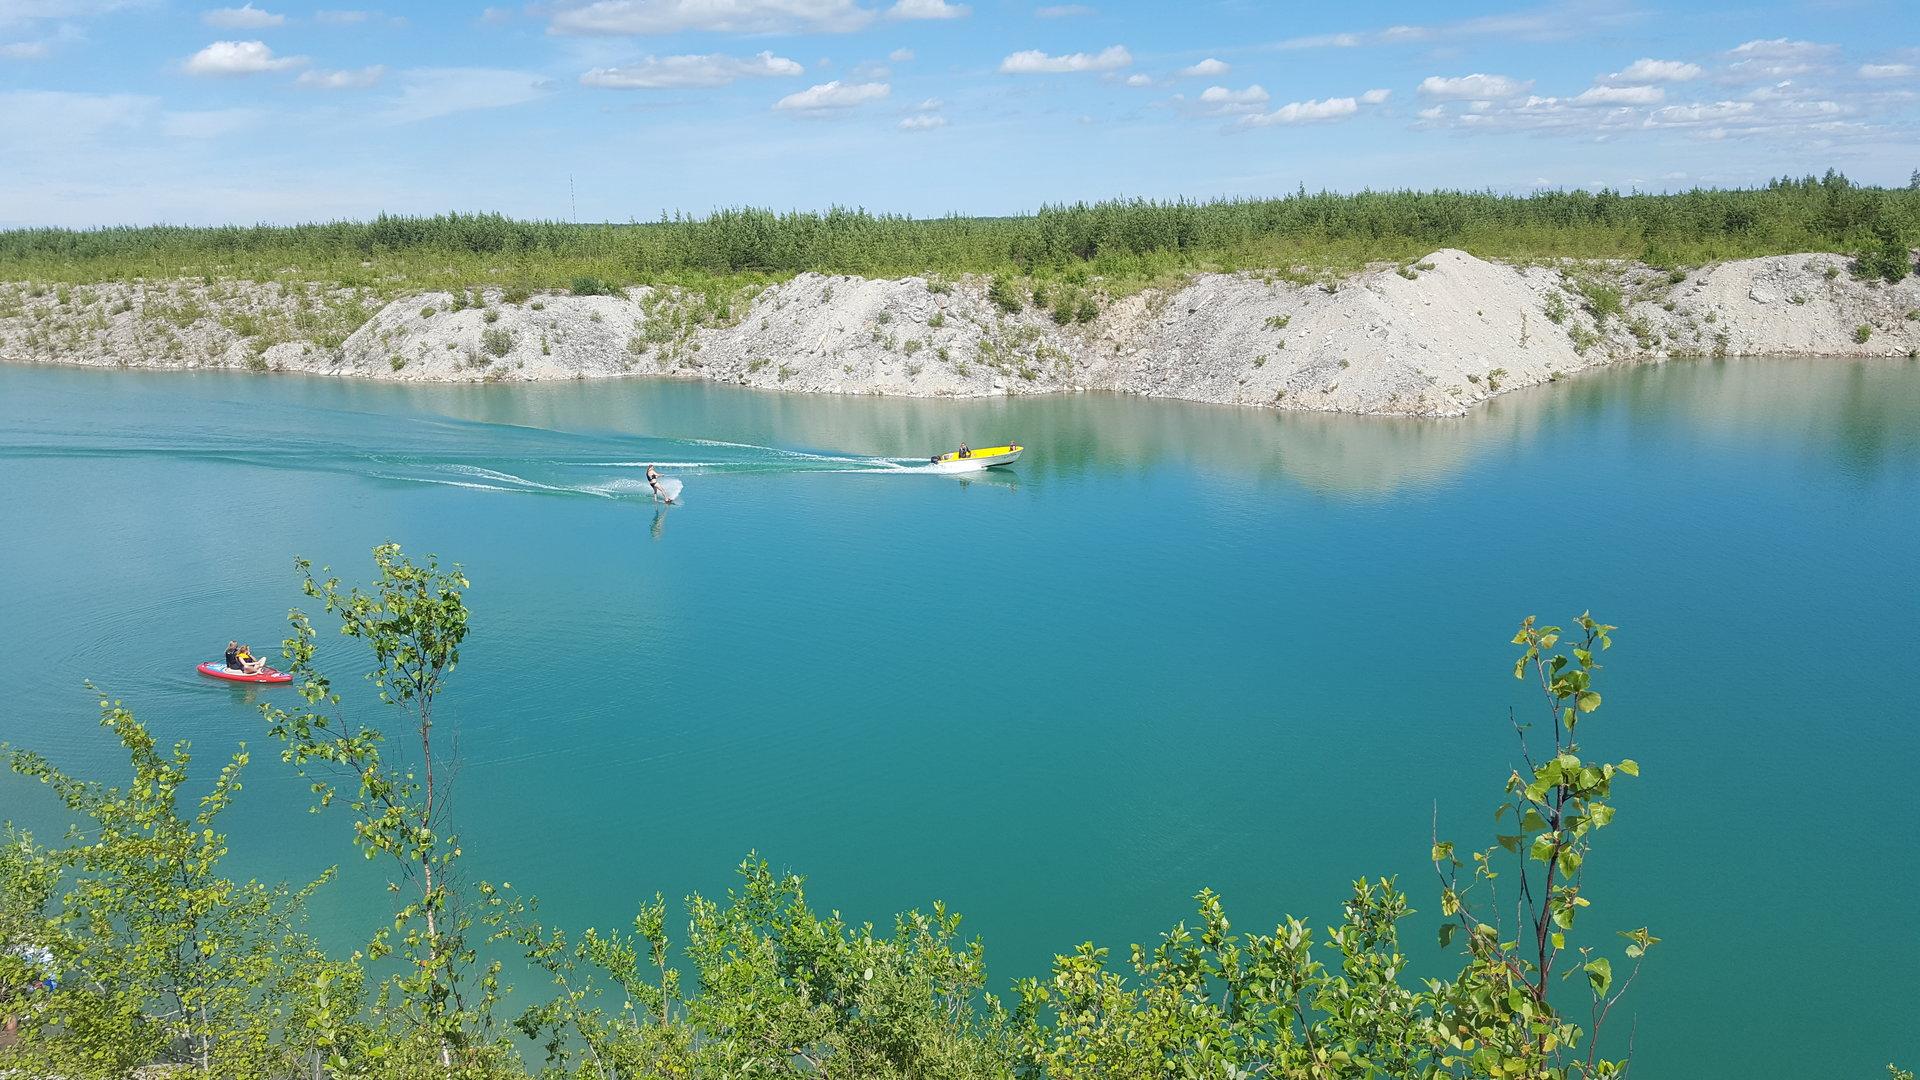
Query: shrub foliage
x=127, y=946
x=1120, y=240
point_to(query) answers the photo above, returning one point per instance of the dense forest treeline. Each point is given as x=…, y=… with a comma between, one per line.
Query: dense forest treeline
x=126, y=947
x=1122, y=241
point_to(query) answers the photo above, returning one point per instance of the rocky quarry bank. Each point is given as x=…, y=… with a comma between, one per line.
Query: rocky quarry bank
x=1430, y=338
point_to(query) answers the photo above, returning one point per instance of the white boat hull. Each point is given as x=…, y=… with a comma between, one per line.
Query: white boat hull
x=976, y=462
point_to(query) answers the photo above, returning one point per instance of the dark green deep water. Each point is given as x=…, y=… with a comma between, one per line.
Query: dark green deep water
x=1177, y=646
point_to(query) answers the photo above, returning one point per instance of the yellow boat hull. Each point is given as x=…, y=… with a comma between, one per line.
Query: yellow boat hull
x=984, y=458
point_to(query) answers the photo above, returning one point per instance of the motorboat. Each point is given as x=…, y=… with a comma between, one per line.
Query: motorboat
x=974, y=460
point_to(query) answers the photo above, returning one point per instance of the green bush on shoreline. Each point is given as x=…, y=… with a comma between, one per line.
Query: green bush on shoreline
x=1125, y=243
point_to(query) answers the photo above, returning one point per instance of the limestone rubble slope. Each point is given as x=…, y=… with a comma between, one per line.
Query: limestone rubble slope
x=1426, y=339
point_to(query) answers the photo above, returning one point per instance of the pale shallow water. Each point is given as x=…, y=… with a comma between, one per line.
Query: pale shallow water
x=1176, y=646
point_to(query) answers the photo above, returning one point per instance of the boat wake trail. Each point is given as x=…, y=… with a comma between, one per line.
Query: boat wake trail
x=442, y=452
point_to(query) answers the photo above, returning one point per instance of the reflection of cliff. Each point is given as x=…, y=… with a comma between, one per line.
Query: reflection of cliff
x=1857, y=410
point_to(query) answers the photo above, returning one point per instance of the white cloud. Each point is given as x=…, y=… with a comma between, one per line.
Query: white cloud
x=1645, y=70
x=1474, y=87
x=1784, y=90
x=1700, y=113
x=1035, y=62
x=923, y=122
x=1620, y=95
x=1221, y=96
x=1061, y=11
x=1139, y=80
x=209, y=123
x=494, y=16
x=1779, y=47
x=724, y=16
x=900, y=56
x=244, y=17
x=1549, y=22
x=1791, y=116
x=427, y=93
x=1207, y=67
x=1305, y=112
x=833, y=95
x=23, y=50
x=927, y=9
x=239, y=58
x=1886, y=71
x=345, y=79
x=680, y=72
x=932, y=104
x=341, y=18
x=1375, y=97
x=1775, y=58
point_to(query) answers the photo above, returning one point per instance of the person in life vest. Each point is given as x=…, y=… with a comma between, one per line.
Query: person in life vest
x=240, y=658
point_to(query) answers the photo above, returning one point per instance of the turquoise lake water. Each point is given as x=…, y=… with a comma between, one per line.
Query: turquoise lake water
x=1176, y=646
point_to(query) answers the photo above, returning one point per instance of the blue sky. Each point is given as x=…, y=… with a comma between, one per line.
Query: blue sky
x=123, y=111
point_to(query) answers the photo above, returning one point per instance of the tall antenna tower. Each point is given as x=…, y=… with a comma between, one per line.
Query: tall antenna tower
x=573, y=206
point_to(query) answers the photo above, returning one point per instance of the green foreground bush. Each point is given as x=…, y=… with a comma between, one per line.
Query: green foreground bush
x=161, y=959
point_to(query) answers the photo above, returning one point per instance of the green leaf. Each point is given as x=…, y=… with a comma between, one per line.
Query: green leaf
x=1446, y=933
x=1599, y=975
x=1588, y=700
x=1511, y=843
x=1630, y=767
x=1542, y=847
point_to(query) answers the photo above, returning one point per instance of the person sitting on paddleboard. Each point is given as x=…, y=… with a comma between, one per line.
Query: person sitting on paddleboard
x=244, y=655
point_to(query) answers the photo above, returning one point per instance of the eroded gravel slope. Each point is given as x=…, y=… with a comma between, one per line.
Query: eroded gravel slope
x=1427, y=339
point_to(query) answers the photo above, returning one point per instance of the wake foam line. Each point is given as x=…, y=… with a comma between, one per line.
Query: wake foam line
x=806, y=455
x=507, y=478
x=446, y=483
